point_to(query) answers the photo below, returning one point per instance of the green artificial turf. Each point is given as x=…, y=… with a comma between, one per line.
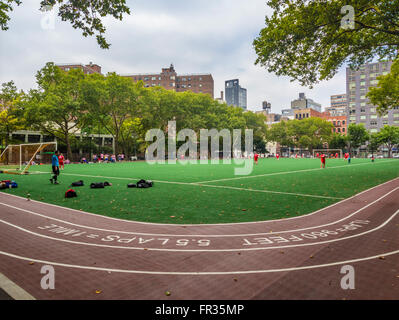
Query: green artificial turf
x=185, y=203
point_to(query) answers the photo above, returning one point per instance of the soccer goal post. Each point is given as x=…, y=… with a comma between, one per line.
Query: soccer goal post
x=330, y=153
x=18, y=158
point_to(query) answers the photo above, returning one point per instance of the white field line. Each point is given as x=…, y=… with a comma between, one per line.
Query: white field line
x=296, y=171
x=386, y=254
x=210, y=186
x=201, y=235
x=305, y=216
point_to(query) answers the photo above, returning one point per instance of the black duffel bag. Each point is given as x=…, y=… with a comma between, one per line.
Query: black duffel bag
x=97, y=185
x=78, y=183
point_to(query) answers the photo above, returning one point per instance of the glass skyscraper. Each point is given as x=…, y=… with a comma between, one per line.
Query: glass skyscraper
x=235, y=94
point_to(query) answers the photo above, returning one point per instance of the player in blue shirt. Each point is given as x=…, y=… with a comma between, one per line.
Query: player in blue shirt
x=56, y=167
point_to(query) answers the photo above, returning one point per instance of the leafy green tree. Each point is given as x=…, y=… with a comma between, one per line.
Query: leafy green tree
x=84, y=15
x=280, y=133
x=338, y=141
x=305, y=40
x=111, y=100
x=311, y=132
x=10, y=117
x=374, y=143
x=386, y=94
x=389, y=136
x=357, y=136
x=56, y=107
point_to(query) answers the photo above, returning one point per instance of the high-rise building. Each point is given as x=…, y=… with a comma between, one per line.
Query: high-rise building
x=87, y=69
x=305, y=103
x=339, y=105
x=170, y=80
x=267, y=107
x=235, y=94
x=360, y=110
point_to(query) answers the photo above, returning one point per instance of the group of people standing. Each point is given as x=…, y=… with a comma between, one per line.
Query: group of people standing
x=108, y=158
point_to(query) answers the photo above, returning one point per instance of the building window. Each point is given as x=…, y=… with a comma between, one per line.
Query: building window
x=154, y=78
x=343, y=129
x=146, y=79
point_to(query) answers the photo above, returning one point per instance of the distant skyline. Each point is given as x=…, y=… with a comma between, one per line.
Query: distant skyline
x=197, y=37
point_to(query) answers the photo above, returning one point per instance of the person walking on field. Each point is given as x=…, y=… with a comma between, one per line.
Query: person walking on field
x=56, y=167
x=61, y=161
x=323, y=161
x=256, y=156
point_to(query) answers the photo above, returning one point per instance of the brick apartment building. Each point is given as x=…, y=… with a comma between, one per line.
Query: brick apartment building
x=170, y=80
x=87, y=69
x=340, y=123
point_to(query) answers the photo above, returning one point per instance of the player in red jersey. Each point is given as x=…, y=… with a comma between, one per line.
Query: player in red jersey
x=277, y=156
x=256, y=156
x=323, y=161
x=336, y=155
x=61, y=161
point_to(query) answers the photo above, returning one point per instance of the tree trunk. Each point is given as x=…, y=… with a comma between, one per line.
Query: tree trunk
x=68, y=145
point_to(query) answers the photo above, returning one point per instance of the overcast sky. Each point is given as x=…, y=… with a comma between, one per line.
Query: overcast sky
x=204, y=36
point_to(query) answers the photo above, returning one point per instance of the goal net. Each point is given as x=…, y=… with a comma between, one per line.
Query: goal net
x=18, y=159
x=330, y=153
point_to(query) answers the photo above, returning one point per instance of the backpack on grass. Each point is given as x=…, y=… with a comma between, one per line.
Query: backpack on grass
x=70, y=194
x=141, y=184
